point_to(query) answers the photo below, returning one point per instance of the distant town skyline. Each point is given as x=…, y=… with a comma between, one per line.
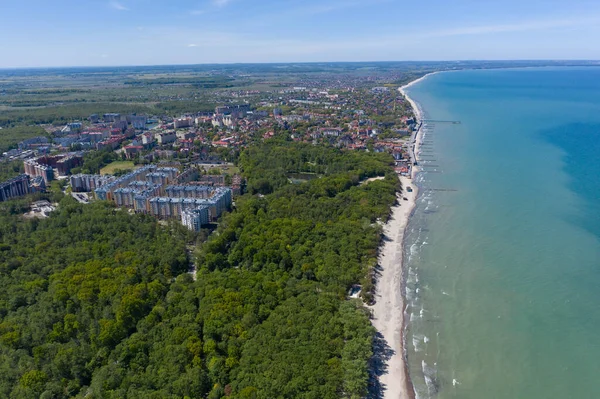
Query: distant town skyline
x=38, y=33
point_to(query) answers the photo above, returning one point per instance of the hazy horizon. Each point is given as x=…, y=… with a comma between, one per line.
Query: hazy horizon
x=191, y=32
x=585, y=62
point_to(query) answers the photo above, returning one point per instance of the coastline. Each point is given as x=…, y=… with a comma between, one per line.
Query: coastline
x=413, y=104
x=389, y=308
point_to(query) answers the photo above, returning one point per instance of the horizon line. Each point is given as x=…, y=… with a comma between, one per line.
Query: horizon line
x=303, y=62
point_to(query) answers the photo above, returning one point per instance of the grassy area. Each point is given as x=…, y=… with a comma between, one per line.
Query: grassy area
x=117, y=165
x=230, y=170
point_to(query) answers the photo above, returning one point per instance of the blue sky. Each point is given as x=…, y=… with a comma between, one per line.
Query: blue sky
x=36, y=33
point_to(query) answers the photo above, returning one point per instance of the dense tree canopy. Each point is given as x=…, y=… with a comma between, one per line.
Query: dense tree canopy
x=93, y=161
x=74, y=286
x=11, y=169
x=11, y=136
x=97, y=304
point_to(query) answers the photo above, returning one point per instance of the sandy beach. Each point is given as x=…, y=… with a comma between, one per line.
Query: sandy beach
x=410, y=100
x=388, y=310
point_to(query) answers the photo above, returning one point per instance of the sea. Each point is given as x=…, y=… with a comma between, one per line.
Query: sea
x=503, y=248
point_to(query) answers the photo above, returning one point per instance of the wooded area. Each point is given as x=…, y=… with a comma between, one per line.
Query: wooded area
x=97, y=303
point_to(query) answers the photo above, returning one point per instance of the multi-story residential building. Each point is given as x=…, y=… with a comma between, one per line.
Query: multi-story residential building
x=35, y=169
x=212, y=180
x=119, y=125
x=111, y=143
x=166, y=207
x=144, y=176
x=147, y=139
x=194, y=219
x=75, y=127
x=67, y=163
x=87, y=183
x=228, y=120
x=171, y=173
x=236, y=111
x=132, y=151
x=166, y=138
x=217, y=121
x=50, y=167
x=33, y=143
x=141, y=190
x=13, y=188
x=37, y=184
x=189, y=191
x=158, y=178
x=112, y=117
x=185, y=135
x=106, y=192
x=136, y=194
x=137, y=121
x=333, y=132
x=188, y=176
x=183, y=123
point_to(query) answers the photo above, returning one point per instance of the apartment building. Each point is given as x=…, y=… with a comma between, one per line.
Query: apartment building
x=86, y=183
x=194, y=219
x=13, y=188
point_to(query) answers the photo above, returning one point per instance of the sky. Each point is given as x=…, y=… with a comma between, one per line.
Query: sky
x=50, y=33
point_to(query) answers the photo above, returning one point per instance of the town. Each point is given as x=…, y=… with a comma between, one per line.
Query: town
x=183, y=167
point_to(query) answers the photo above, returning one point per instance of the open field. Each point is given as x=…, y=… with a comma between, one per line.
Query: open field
x=117, y=165
x=230, y=170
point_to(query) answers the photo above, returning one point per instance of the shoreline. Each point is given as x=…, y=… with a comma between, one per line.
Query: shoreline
x=390, y=304
x=413, y=104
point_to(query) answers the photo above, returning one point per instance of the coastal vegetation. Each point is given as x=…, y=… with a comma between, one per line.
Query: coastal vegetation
x=97, y=302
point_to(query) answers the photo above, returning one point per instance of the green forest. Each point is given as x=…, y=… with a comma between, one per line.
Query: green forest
x=66, y=113
x=10, y=137
x=8, y=170
x=97, y=302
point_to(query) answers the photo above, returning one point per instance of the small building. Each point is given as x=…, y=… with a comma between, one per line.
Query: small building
x=166, y=138
x=182, y=123
x=132, y=151
x=185, y=135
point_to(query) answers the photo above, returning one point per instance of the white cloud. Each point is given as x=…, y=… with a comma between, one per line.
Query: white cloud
x=192, y=45
x=197, y=12
x=118, y=6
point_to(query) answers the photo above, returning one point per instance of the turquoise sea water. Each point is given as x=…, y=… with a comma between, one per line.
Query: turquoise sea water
x=503, y=280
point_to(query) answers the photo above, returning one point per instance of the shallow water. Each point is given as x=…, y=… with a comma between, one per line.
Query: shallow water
x=503, y=270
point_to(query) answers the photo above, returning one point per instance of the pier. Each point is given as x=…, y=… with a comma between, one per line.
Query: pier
x=438, y=121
